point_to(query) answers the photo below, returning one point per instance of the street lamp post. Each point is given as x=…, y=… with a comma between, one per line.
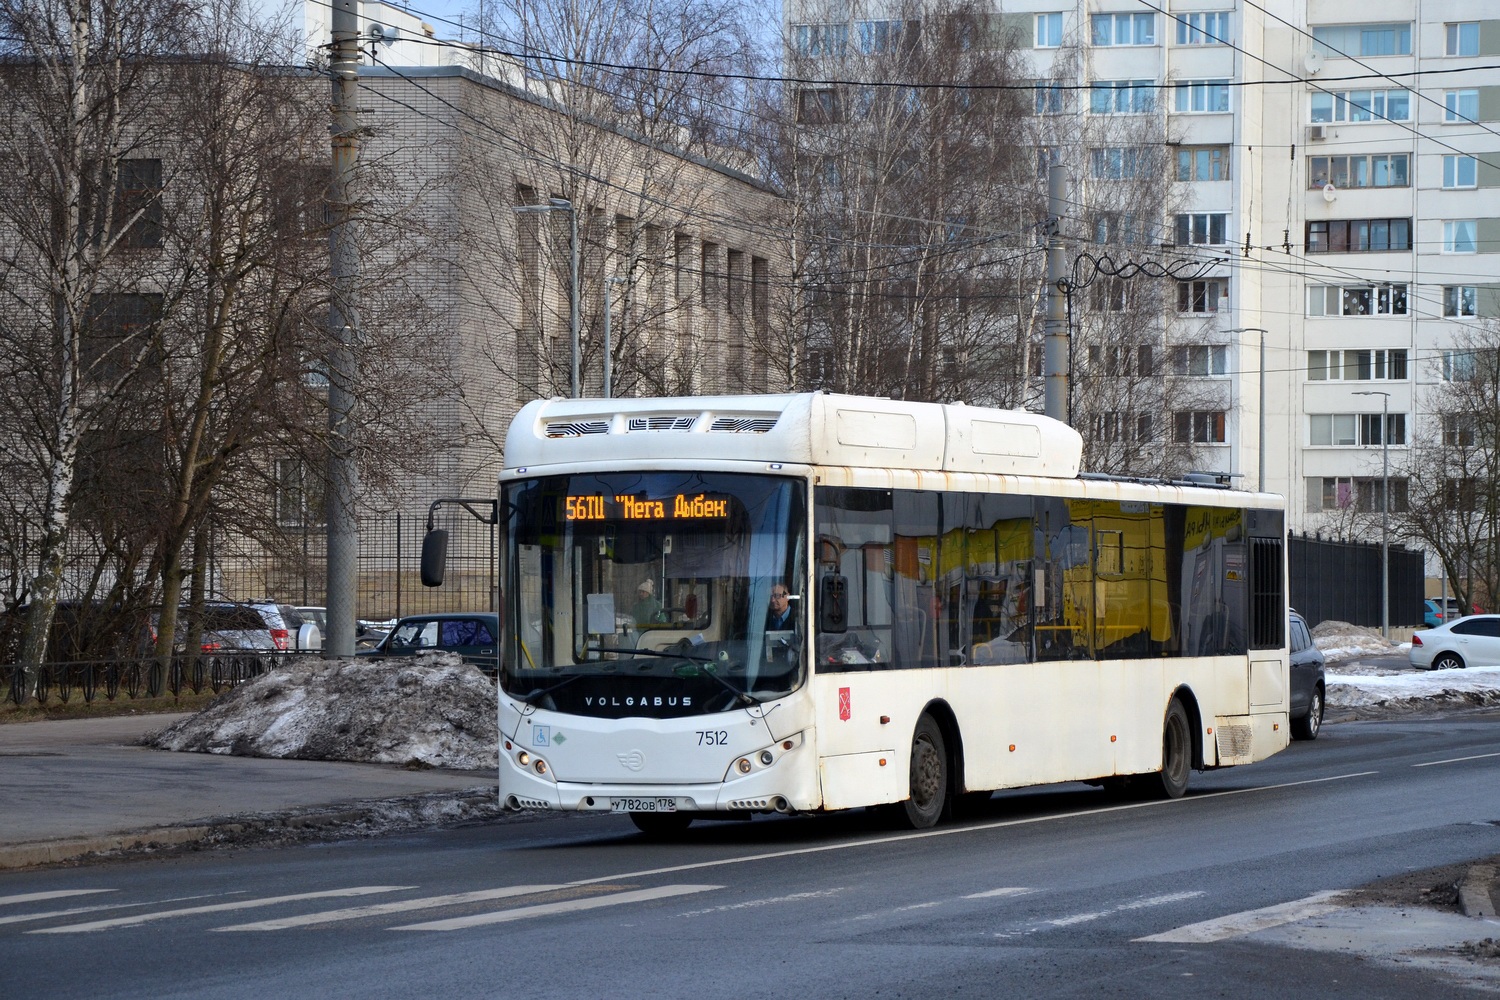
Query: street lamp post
x=564, y=205
x=1385, y=508
x=1260, y=482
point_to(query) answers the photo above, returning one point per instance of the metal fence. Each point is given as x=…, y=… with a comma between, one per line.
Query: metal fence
x=1340, y=581
x=132, y=678
x=390, y=553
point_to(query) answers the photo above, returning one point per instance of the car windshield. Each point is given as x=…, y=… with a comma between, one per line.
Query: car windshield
x=655, y=587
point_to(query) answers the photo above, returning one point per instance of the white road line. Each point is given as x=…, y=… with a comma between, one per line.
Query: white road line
x=750, y=904
x=548, y=909
x=1250, y=921
x=1138, y=904
x=1009, y=891
x=952, y=831
x=21, y=918
x=380, y=909
x=33, y=897
x=1457, y=760
x=244, y=904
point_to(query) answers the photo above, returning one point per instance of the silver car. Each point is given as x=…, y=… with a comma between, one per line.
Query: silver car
x=1464, y=642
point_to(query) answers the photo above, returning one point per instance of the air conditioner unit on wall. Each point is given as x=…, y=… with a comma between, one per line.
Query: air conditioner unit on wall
x=1317, y=133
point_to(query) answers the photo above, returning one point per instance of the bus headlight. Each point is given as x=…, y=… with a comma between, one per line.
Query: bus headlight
x=764, y=757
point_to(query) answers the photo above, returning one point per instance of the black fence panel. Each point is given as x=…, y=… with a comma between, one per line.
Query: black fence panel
x=1340, y=581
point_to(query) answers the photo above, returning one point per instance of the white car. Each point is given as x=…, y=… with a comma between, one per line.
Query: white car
x=1464, y=642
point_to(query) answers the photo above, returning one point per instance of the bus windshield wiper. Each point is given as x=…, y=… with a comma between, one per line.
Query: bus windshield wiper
x=694, y=657
x=529, y=698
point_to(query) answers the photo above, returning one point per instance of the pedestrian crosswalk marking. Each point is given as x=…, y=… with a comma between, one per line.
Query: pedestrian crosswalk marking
x=36, y=897
x=1007, y=891
x=548, y=909
x=21, y=918
x=1250, y=921
x=244, y=904
x=380, y=909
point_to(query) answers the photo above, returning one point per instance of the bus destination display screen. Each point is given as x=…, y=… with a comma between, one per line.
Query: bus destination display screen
x=624, y=507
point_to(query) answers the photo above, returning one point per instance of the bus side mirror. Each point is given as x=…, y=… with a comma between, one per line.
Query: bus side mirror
x=434, y=557
x=833, y=604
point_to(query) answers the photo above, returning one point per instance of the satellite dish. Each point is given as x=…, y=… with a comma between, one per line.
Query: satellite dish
x=1330, y=192
x=1313, y=61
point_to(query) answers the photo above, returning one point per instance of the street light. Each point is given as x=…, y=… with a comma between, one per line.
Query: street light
x=564, y=205
x=1385, y=508
x=608, y=284
x=1260, y=482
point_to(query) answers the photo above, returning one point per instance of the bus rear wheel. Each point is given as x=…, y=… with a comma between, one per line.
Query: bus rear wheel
x=929, y=776
x=1176, y=753
x=662, y=824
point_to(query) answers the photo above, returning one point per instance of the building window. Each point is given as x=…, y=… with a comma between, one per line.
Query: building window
x=120, y=336
x=1358, y=235
x=1460, y=300
x=1123, y=425
x=1461, y=38
x=1458, y=430
x=1047, y=157
x=1202, y=96
x=299, y=494
x=1461, y=106
x=1049, y=98
x=1361, y=106
x=1198, y=427
x=1117, y=228
x=1351, y=366
x=1049, y=30
x=1460, y=236
x=1110, y=294
x=1362, y=39
x=1360, y=493
x=1375, y=171
x=1116, y=163
x=1459, y=366
x=1460, y=172
x=1203, y=28
x=137, y=211
x=1356, y=300
x=1347, y=430
x=1201, y=228
x=1201, y=360
x=819, y=40
x=1116, y=97
x=1124, y=29
x=1203, y=163
x=1121, y=359
x=878, y=37
x=1202, y=296
x=817, y=106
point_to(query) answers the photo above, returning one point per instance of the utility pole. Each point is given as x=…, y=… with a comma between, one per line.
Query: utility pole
x=1385, y=508
x=343, y=335
x=1056, y=373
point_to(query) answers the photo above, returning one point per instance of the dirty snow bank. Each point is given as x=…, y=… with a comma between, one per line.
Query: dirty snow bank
x=1376, y=691
x=430, y=710
x=1341, y=641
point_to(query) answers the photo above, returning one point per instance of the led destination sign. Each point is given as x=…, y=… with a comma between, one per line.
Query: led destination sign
x=623, y=507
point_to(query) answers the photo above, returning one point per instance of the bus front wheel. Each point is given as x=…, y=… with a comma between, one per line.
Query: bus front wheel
x=929, y=776
x=662, y=824
x=1176, y=752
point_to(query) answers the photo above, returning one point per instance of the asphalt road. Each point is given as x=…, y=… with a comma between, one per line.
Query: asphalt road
x=1050, y=892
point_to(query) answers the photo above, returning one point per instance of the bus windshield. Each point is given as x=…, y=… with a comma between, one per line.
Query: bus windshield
x=657, y=594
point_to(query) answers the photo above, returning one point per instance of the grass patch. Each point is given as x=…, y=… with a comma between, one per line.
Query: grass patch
x=103, y=708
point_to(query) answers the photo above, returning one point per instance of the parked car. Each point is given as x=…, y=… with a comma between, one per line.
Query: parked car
x=1308, y=684
x=258, y=626
x=1473, y=641
x=1435, y=611
x=474, y=635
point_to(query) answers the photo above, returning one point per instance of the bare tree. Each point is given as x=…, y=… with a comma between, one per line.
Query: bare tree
x=1452, y=473
x=76, y=114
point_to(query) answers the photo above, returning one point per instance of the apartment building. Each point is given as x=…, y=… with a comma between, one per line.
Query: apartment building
x=1335, y=167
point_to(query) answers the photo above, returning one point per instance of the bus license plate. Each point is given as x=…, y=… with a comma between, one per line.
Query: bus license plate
x=652, y=805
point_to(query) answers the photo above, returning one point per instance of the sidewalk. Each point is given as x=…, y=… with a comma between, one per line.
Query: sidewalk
x=80, y=787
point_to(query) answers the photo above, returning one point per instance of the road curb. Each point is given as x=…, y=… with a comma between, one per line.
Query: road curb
x=1476, y=893
x=387, y=815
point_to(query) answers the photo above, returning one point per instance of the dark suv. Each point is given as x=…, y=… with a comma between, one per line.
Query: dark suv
x=474, y=635
x=1308, y=685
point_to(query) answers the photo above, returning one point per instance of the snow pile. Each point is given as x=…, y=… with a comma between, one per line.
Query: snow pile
x=430, y=710
x=1420, y=689
x=1341, y=641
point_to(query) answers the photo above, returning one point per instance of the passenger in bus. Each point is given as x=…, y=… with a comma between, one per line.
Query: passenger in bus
x=647, y=610
x=779, y=614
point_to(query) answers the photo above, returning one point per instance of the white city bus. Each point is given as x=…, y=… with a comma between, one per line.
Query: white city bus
x=968, y=613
